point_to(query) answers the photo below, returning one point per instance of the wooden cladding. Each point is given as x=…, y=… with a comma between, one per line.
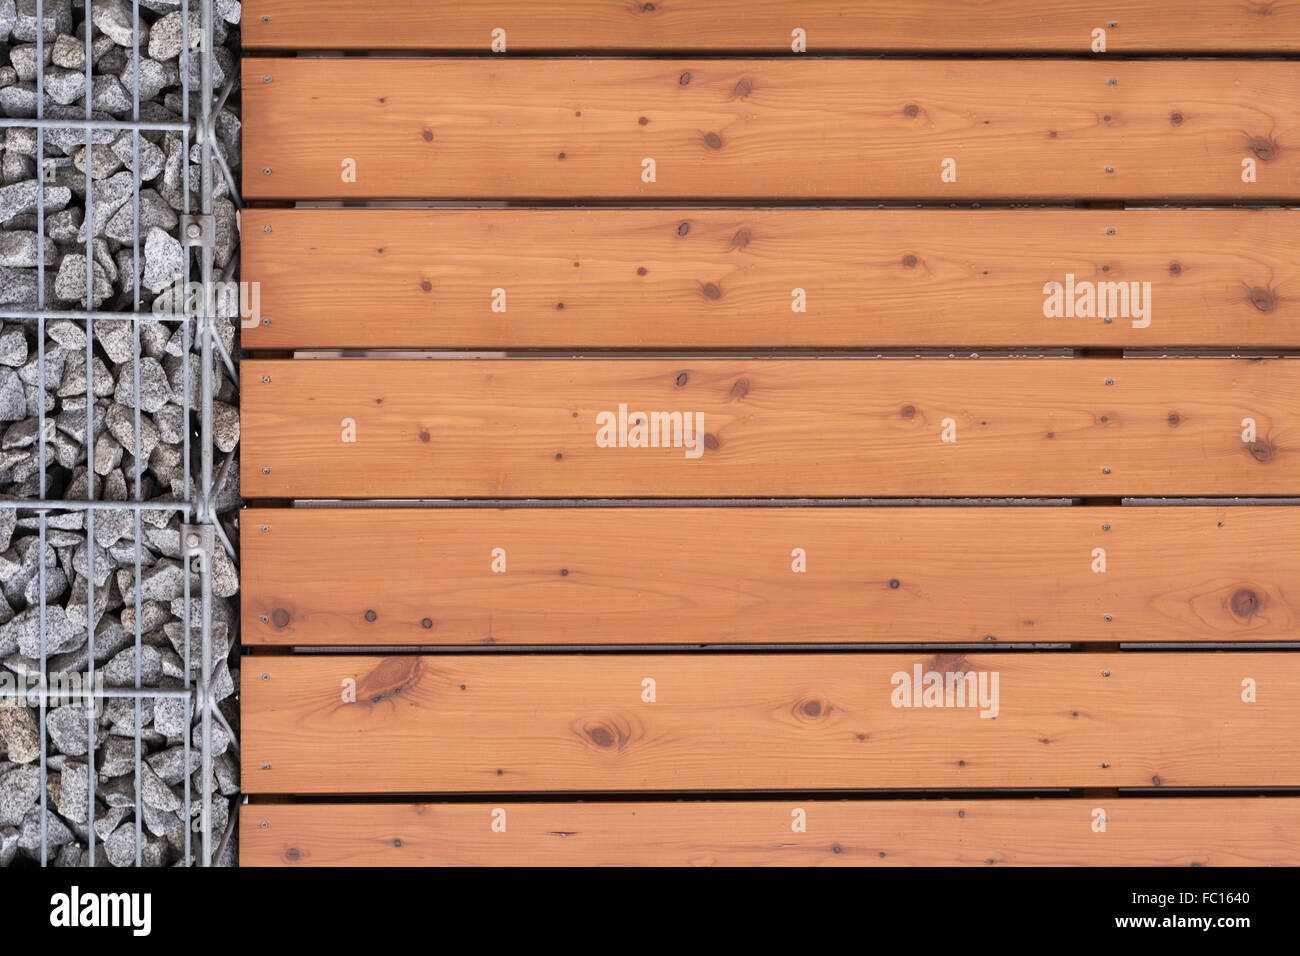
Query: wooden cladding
x=524, y=723
x=752, y=427
x=764, y=278
x=775, y=129
x=774, y=26
x=810, y=575
x=625, y=622
x=1171, y=831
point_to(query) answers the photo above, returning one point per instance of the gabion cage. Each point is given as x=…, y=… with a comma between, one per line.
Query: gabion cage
x=188, y=508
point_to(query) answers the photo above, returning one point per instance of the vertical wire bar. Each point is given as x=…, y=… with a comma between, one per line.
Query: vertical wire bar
x=88, y=221
x=45, y=836
x=185, y=379
x=138, y=440
x=205, y=434
x=189, y=718
x=40, y=233
x=40, y=362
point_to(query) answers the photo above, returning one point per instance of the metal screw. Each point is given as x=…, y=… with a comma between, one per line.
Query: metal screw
x=266, y=228
x=1104, y=765
x=1113, y=26
x=192, y=540
x=266, y=527
x=1110, y=232
x=1104, y=527
x=1108, y=320
x=266, y=471
x=265, y=619
x=1110, y=169
x=1110, y=381
x=266, y=321
x=193, y=230
x=1104, y=471
x=265, y=824
x=1105, y=673
x=266, y=79
x=266, y=766
x=1108, y=621
x=266, y=378
x=1114, y=82
x=266, y=170
x=266, y=677
x=266, y=19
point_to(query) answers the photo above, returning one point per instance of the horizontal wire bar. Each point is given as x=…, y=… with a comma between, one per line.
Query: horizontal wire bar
x=32, y=122
x=27, y=504
x=45, y=693
x=82, y=315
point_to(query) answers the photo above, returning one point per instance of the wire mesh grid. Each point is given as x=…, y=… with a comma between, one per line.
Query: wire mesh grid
x=201, y=532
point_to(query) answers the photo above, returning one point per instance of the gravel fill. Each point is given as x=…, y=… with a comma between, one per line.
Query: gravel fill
x=155, y=592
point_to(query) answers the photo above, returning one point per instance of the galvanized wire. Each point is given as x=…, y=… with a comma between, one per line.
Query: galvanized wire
x=197, y=509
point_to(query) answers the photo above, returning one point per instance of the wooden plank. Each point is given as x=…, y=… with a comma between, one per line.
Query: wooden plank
x=525, y=723
x=1175, y=831
x=710, y=278
x=797, y=427
x=729, y=575
x=766, y=26
x=741, y=129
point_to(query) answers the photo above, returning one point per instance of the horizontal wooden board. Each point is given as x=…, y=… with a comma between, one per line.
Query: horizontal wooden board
x=759, y=575
x=524, y=723
x=794, y=129
x=766, y=26
x=713, y=278
x=785, y=427
x=1171, y=831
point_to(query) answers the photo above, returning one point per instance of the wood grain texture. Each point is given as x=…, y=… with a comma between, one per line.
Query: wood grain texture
x=1174, y=831
x=726, y=575
x=789, y=427
x=526, y=723
x=794, y=129
x=709, y=278
x=764, y=26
